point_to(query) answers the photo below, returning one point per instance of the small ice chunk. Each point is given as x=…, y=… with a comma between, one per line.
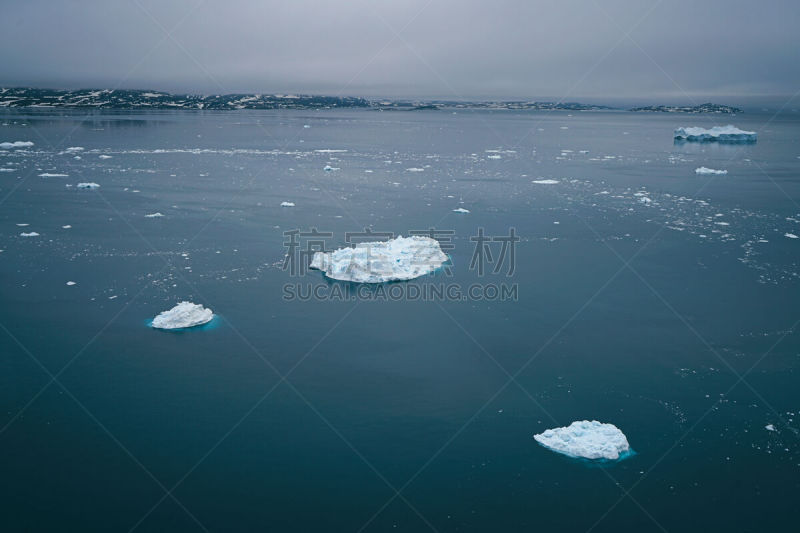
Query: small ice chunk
x=52, y=175
x=67, y=226
x=154, y=215
x=287, y=204
x=769, y=427
x=74, y=149
x=460, y=210
x=29, y=234
x=183, y=315
x=88, y=185
x=104, y=156
x=402, y=258
x=328, y=168
x=495, y=156
x=15, y=144
x=790, y=235
x=545, y=182
x=706, y=170
x=415, y=169
x=70, y=283
x=717, y=133
x=585, y=439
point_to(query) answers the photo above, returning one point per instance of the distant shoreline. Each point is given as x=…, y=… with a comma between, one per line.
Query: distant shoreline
x=126, y=99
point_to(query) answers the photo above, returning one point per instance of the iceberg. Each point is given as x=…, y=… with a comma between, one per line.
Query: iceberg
x=183, y=315
x=460, y=210
x=586, y=440
x=51, y=175
x=154, y=215
x=545, y=182
x=15, y=144
x=89, y=185
x=29, y=234
x=399, y=259
x=706, y=170
x=717, y=133
x=287, y=204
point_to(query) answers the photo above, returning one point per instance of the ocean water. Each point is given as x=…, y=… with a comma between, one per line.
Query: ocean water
x=639, y=293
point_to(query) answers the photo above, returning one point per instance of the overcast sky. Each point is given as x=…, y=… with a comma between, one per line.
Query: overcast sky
x=435, y=48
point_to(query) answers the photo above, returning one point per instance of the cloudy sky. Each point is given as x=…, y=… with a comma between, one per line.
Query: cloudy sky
x=434, y=48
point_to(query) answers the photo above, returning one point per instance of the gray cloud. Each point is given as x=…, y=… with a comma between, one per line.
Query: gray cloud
x=445, y=48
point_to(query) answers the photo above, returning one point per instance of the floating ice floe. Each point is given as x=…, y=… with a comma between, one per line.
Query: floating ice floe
x=415, y=169
x=103, y=156
x=790, y=235
x=717, y=133
x=70, y=283
x=183, y=315
x=706, y=170
x=328, y=168
x=15, y=144
x=51, y=175
x=29, y=234
x=402, y=258
x=154, y=215
x=88, y=185
x=460, y=210
x=287, y=204
x=74, y=149
x=769, y=427
x=545, y=182
x=587, y=440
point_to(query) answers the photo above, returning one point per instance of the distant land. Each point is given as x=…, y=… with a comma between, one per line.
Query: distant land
x=702, y=108
x=143, y=99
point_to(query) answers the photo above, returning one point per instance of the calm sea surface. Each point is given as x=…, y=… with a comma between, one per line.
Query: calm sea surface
x=640, y=294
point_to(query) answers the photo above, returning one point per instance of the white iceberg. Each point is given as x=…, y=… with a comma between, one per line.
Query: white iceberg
x=154, y=215
x=706, y=170
x=89, y=185
x=790, y=235
x=328, y=168
x=402, y=258
x=587, y=440
x=769, y=427
x=287, y=204
x=545, y=182
x=15, y=144
x=50, y=175
x=460, y=210
x=104, y=156
x=717, y=133
x=29, y=234
x=183, y=315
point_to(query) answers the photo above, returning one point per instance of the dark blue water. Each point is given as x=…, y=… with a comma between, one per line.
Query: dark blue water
x=647, y=296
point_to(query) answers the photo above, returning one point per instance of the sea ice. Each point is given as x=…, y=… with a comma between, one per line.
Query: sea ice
x=183, y=315
x=790, y=235
x=585, y=439
x=545, y=182
x=460, y=210
x=104, y=156
x=287, y=204
x=49, y=175
x=89, y=185
x=154, y=215
x=402, y=258
x=769, y=427
x=717, y=133
x=29, y=234
x=15, y=144
x=70, y=283
x=706, y=170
